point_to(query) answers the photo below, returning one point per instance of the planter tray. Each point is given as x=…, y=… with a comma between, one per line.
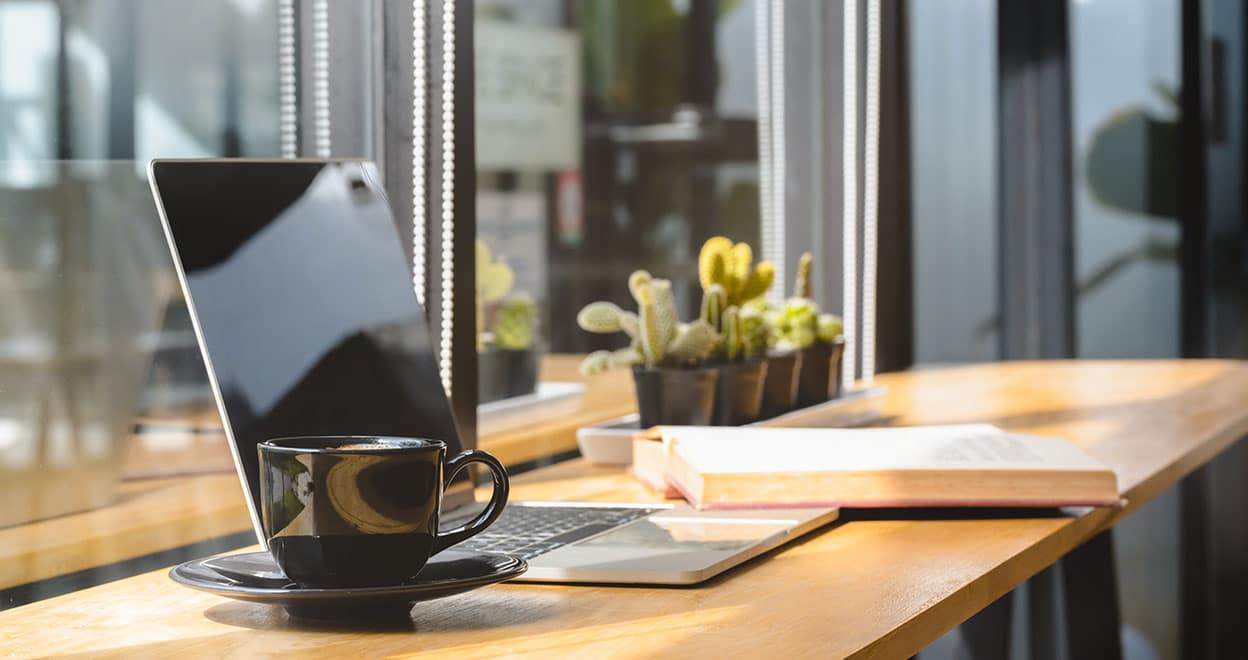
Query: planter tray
x=611, y=442
x=550, y=400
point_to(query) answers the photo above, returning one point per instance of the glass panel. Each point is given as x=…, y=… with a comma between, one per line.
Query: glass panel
x=101, y=382
x=953, y=118
x=1125, y=97
x=1126, y=156
x=611, y=136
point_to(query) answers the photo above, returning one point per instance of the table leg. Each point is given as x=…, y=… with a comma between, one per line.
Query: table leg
x=1090, y=590
x=986, y=636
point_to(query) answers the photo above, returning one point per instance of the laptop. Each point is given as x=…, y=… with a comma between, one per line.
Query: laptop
x=302, y=302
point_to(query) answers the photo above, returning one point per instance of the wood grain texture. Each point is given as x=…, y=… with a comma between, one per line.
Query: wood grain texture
x=149, y=516
x=865, y=588
x=184, y=444
x=156, y=511
x=606, y=396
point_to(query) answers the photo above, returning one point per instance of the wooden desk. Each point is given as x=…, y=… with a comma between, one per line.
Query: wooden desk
x=607, y=396
x=882, y=588
x=156, y=515
x=149, y=516
x=194, y=448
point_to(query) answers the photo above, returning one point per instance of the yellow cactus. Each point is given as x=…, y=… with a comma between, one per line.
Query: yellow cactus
x=758, y=281
x=731, y=266
x=713, y=250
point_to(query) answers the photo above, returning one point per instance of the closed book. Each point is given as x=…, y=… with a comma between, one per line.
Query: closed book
x=650, y=466
x=895, y=467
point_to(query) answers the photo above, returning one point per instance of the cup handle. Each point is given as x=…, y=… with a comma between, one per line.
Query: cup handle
x=492, y=510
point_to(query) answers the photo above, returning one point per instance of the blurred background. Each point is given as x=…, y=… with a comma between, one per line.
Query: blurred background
x=1057, y=180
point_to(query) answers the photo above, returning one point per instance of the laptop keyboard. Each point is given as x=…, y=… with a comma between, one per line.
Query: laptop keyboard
x=529, y=531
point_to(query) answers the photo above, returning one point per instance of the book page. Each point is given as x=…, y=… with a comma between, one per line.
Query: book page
x=756, y=450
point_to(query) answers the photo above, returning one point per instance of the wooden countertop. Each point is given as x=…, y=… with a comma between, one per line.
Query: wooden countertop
x=877, y=588
x=192, y=442
x=607, y=396
x=149, y=516
x=204, y=500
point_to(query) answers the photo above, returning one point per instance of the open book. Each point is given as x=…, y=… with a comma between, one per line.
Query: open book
x=975, y=465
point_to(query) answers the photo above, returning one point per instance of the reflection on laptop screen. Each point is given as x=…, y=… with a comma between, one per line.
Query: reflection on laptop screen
x=304, y=302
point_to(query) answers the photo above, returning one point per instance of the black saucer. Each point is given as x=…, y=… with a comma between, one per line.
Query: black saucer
x=254, y=576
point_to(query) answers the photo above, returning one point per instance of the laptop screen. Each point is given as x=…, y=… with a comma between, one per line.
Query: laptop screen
x=303, y=302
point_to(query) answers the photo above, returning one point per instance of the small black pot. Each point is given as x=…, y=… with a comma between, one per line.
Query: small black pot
x=780, y=384
x=820, y=375
x=739, y=392
x=675, y=396
x=834, y=382
x=503, y=373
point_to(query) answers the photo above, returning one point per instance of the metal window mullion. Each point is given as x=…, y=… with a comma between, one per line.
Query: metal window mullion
x=312, y=78
x=762, y=68
x=287, y=78
x=849, y=188
x=452, y=203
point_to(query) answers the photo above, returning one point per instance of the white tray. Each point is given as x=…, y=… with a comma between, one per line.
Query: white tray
x=611, y=442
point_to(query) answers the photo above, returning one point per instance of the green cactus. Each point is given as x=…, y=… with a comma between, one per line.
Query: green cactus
x=694, y=342
x=636, y=281
x=600, y=361
x=665, y=308
x=734, y=345
x=514, y=324
x=651, y=332
x=795, y=324
x=801, y=285
x=658, y=339
x=731, y=266
x=605, y=317
x=601, y=317
x=828, y=327
x=596, y=363
x=713, y=302
x=494, y=280
x=755, y=335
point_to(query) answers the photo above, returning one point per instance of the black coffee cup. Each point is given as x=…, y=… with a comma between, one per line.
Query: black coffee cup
x=362, y=511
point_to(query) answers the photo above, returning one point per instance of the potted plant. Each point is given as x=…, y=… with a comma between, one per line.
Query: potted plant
x=783, y=364
x=506, y=327
x=674, y=385
x=817, y=338
x=730, y=281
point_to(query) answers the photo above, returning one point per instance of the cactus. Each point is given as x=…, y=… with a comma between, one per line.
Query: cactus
x=755, y=334
x=713, y=302
x=758, y=281
x=513, y=327
x=651, y=332
x=694, y=342
x=734, y=344
x=801, y=286
x=711, y=264
x=730, y=280
x=731, y=266
x=828, y=327
x=605, y=318
x=658, y=339
x=600, y=361
x=494, y=280
x=665, y=308
x=795, y=324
